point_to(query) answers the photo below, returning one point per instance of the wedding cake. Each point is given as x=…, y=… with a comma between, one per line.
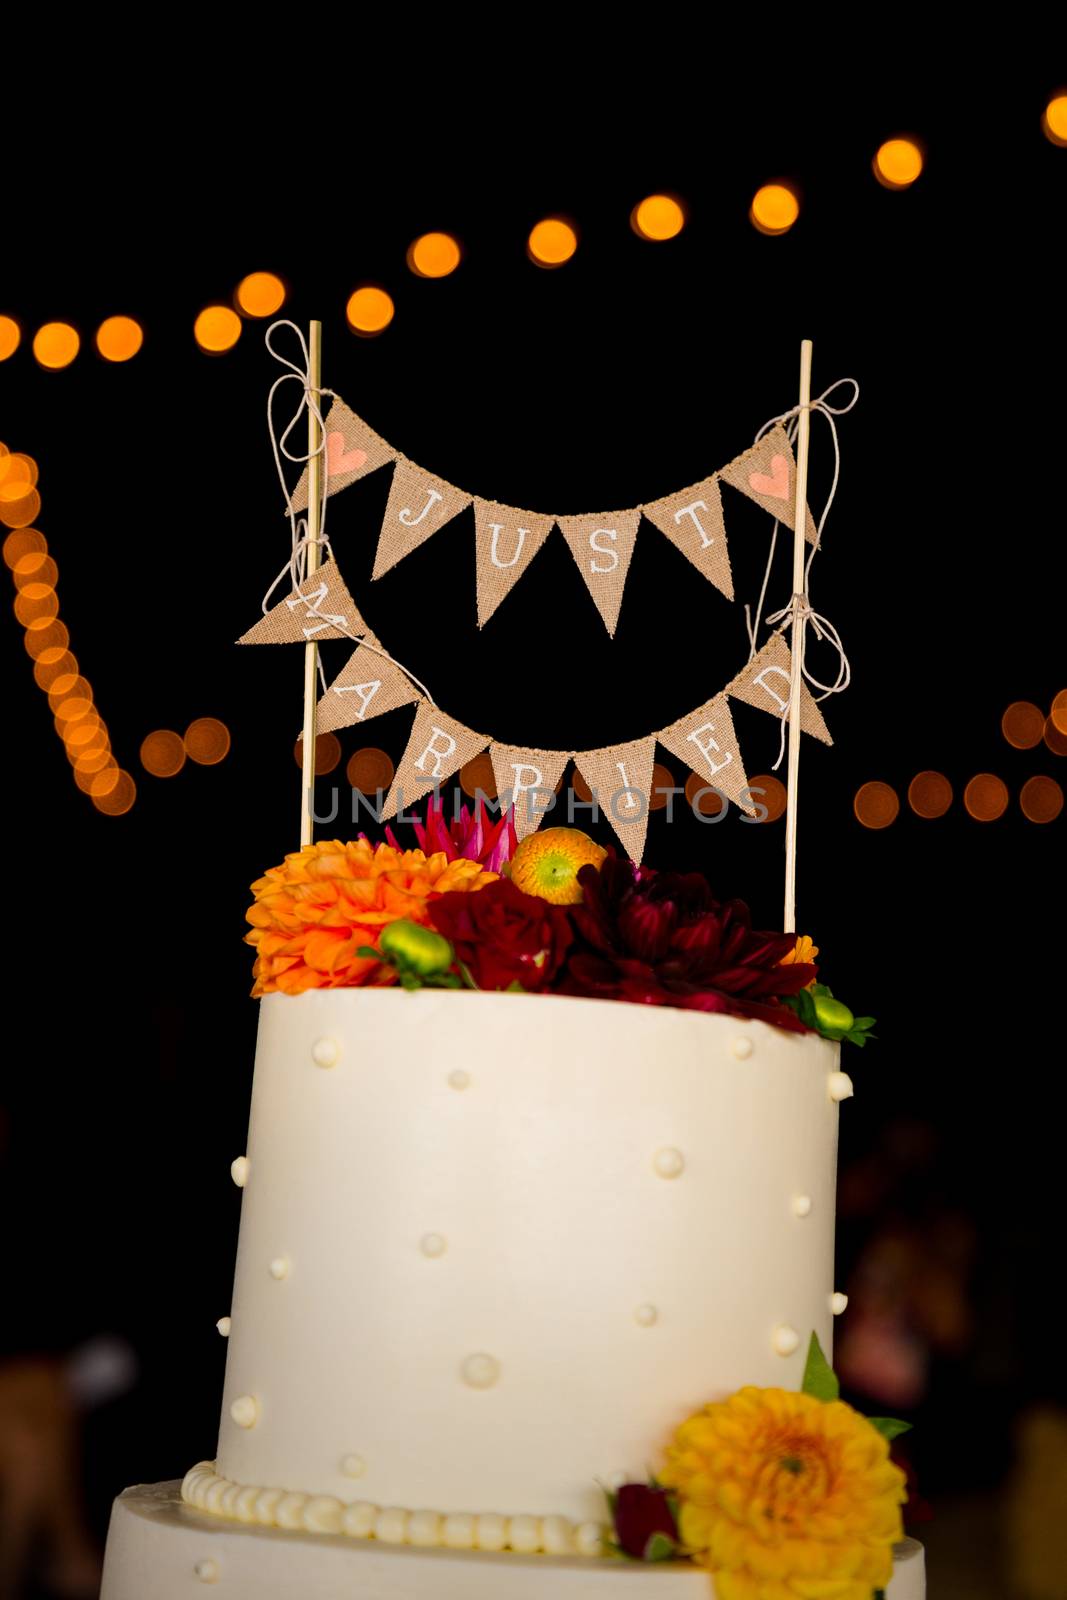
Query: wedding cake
x=508, y=1259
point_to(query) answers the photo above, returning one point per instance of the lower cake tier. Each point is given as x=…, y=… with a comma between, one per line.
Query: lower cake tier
x=159, y=1547
x=495, y=1248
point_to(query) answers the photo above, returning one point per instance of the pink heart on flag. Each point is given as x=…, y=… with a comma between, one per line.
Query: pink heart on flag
x=777, y=483
x=338, y=459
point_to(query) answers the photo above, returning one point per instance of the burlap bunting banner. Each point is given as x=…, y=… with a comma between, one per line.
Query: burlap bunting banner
x=368, y=686
x=764, y=683
x=692, y=520
x=602, y=545
x=621, y=780
x=705, y=740
x=312, y=612
x=506, y=541
x=419, y=504
x=352, y=450
x=527, y=780
x=438, y=747
x=767, y=474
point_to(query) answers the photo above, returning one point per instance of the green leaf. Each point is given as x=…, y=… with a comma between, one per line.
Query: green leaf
x=408, y=980
x=818, y=989
x=889, y=1427
x=864, y=1023
x=661, y=1547
x=369, y=950
x=819, y=1377
x=465, y=974
x=879, y=1594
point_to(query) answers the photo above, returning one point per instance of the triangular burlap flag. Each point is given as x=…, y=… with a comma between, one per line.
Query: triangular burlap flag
x=419, y=504
x=506, y=541
x=527, y=780
x=692, y=520
x=352, y=450
x=621, y=779
x=705, y=740
x=368, y=686
x=764, y=683
x=438, y=747
x=312, y=612
x=602, y=545
x=767, y=474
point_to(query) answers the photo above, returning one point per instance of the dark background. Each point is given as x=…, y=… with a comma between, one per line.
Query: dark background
x=632, y=370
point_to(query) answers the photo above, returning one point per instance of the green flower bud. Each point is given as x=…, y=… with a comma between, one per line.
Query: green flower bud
x=832, y=1017
x=413, y=948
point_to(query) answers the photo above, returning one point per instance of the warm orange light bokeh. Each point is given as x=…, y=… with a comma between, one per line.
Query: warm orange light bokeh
x=369, y=310
x=35, y=567
x=113, y=792
x=163, y=753
x=10, y=337
x=929, y=794
x=19, y=504
x=37, y=612
x=1055, y=737
x=24, y=542
x=774, y=209
x=658, y=216
x=773, y=799
x=53, y=664
x=1058, y=711
x=433, y=255
x=1054, y=119
x=327, y=753
x=702, y=796
x=986, y=797
x=1041, y=799
x=662, y=781
x=897, y=163
x=260, y=294
x=371, y=769
x=216, y=329
x=1022, y=724
x=474, y=775
x=552, y=242
x=876, y=804
x=119, y=338
x=38, y=640
x=56, y=344
x=207, y=741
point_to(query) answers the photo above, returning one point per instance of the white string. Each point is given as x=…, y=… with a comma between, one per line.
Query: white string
x=296, y=566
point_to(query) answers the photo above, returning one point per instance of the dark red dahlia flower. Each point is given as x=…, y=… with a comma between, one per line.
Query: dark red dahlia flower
x=663, y=939
x=504, y=936
x=640, y=1512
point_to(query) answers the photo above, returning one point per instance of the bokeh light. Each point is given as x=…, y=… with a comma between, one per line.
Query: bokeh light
x=35, y=568
x=658, y=216
x=477, y=774
x=369, y=770
x=1058, y=711
x=1023, y=724
x=986, y=797
x=20, y=504
x=260, y=294
x=1055, y=737
x=552, y=242
x=119, y=338
x=433, y=255
x=52, y=664
x=39, y=640
x=216, y=329
x=65, y=686
x=1041, y=799
x=1054, y=119
x=702, y=797
x=24, y=542
x=897, y=163
x=207, y=741
x=163, y=753
x=581, y=789
x=39, y=612
x=929, y=794
x=774, y=208
x=876, y=804
x=327, y=753
x=369, y=310
x=662, y=781
x=10, y=337
x=772, y=799
x=113, y=792
x=56, y=344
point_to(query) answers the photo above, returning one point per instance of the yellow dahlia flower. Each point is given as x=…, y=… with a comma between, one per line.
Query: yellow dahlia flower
x=314, y=912
x=786, y=1497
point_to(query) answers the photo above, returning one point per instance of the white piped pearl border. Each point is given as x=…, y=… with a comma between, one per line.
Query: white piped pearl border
x=322, y=1513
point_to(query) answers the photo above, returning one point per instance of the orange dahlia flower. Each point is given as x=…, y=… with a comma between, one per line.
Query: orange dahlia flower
x=314, y=912
x=786, y=1497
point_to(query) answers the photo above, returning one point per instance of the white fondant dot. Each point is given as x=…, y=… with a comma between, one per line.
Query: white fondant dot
x=557, y=1536
x=326, y=1052
x=742, y=1048
x=838, y=1302
x=458, y=1530
x=645, y=1316
x=359, y=1519
x=802, y=1205
x=206, y=1571
x=433, y=1244
x=279, y=1267
x=491, y=1531
x=668, y=1162
x=353, y=1466
x=245, y=1411
x=391, y=1525
x=289, y=1512
x=786, y=1340
x=239, y=1171
x=480, y=1371
x=589, y=1538
x=322, y=1514
x=840, y=1086
x=224, y=1325
x=524, y=1534
x=424, y=1528
x=459, y=1078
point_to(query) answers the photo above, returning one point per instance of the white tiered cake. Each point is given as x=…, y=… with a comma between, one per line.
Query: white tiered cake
x=494, y=1248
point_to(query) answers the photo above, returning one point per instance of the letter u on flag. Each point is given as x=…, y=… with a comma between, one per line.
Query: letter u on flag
x=506, y=541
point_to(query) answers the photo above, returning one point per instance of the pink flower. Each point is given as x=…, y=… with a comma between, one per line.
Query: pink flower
x=474, y=838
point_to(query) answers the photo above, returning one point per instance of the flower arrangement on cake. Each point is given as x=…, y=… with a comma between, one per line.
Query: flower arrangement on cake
x=470, y=907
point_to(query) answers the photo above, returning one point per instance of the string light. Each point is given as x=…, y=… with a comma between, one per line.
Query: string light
x=1054, y=119
x=369, y=310
x=163, y=753
x=327, y=753
x=119, y=338
x=662, y=783
x=433, y=255
x=1041, y=799
x=477, y=774
x=702, y=796
x=986, y=797
x=658, y=216
x=774, y=208
x=929, y=794
x=371, y=769
x=217, y=329
x=260, y=294
x=207, y=741
x=1055, y=737
x=10, y=337
x=876, y=804
x=1023, y=724
x=55, y=345
x=897, y=163
x=551, y=242
x=1058, y=711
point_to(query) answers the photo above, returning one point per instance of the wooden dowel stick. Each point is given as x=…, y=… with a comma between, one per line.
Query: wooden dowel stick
x=796, y=640
x=311, y=654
